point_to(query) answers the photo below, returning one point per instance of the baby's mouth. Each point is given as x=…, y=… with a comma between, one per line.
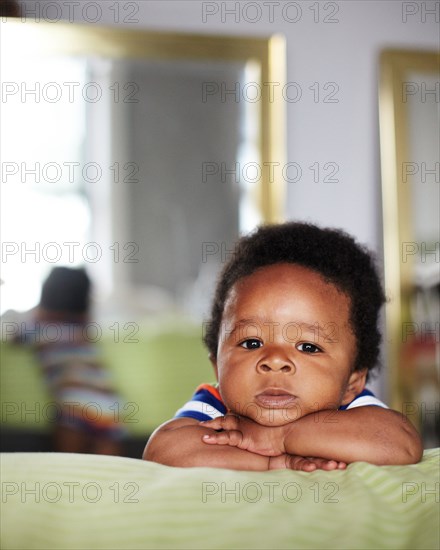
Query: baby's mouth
x=275, y=398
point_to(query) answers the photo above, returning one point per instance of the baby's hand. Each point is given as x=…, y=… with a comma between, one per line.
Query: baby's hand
x=305, y=464
x=245, y=434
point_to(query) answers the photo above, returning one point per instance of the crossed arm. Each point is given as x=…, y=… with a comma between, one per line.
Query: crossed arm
x=326, y=439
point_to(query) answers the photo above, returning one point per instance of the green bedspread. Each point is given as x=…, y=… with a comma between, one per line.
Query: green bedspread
x=87, y=502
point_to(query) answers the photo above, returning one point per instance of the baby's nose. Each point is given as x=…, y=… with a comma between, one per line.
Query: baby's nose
x=275, y=364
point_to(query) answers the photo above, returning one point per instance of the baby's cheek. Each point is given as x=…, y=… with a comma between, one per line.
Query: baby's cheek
x=323, y=395
x=236, y=402
x=227, y=395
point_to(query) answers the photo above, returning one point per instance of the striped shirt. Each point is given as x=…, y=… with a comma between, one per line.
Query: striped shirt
x=207, y=404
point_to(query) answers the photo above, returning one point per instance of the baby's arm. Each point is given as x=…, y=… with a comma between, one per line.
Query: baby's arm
x=179, y=443
x=369, y=434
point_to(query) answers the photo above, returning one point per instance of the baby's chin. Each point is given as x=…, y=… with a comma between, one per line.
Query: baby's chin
x=281, y=417
x=273, y=418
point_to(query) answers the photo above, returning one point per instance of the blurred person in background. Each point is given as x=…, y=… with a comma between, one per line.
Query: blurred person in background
x=85, y=400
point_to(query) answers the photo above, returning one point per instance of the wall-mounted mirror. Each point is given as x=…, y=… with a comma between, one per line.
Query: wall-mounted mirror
x=139, y=155
x=410, y=151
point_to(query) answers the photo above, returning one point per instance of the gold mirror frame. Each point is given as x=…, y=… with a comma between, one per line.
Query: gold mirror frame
x=269, y=53
x=395, y=69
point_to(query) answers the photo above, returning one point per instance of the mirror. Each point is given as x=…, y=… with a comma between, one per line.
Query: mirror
x=140, y=155
x=410, y=145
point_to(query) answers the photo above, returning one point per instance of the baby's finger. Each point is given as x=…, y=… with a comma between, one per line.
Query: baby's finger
x=215, y=423
x=333, y=465
x=301, y=463
x=227, y=422
x=233, y=438
x=328, y=465
x=307, y=466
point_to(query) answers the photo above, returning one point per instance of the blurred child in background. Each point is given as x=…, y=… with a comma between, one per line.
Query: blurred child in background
x=87, y=405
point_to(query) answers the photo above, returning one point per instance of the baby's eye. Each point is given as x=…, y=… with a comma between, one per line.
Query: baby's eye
x=251, y=343
x=308, y=347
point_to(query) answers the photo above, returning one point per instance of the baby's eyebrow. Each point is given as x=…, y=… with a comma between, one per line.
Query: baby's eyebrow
x=261, y=324
x=268, y=323
x=251, y=321
x=312, y=327
x=234, y=330
x=243, y=322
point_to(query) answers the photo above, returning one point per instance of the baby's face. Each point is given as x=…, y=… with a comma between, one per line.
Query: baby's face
x=286, y=347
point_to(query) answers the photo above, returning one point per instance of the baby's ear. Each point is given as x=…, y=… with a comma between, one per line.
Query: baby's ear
x=356, y=383
x=213, y=360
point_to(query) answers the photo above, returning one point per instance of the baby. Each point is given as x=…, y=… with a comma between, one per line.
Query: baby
x=293, y=337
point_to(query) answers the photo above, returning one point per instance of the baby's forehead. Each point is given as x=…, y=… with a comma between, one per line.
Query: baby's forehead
x=286, y=287
x=281, y=277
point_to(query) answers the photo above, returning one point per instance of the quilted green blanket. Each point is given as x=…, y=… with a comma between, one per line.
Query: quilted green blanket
x=60, y=501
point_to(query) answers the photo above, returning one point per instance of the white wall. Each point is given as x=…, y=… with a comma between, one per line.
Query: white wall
x=344, y=52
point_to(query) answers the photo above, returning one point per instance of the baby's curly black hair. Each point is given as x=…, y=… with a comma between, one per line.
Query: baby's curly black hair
x=333, y=254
